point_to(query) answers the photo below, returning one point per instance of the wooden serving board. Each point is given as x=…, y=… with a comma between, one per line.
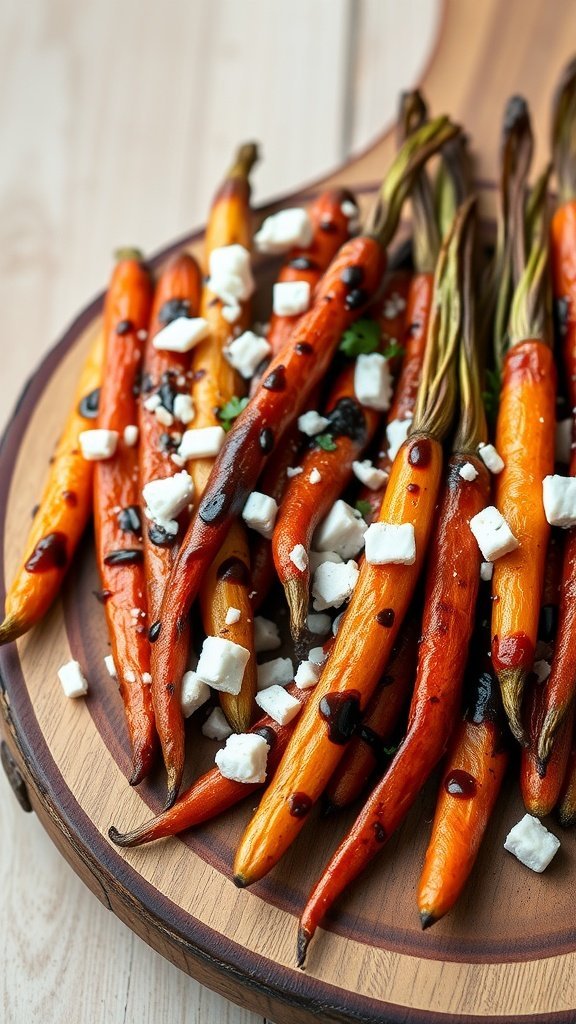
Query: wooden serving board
x=508, y=951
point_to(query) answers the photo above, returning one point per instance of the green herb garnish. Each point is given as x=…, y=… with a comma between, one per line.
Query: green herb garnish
x=231, y=410
x=389, y=751
x=325, y=441
x=363, y=507
x=393, y=350
x=361, y=338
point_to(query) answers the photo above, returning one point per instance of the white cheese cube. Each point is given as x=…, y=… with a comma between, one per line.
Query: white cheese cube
x=390, y=544
x=259, y=513
x=152, y=403
x=490, y=458
x=280, y=705
x=110, y=666
x=216, y=727
x=307, y=675
x=349, y=208
x=289, y=298
x=320, y=624
x=73, y=682
x=541, y=670
x=163, y=416
x=316, y=558
x=201, y=443
x=230, y=274
x=293, y=471
x=494, y=536
x=312, y=423
x=233, y=615
x=195, y=693
x=317, y=656
x=184, y=408
x=279, y=671
x=299, y=557
x=98, y=445
x=486, y=571
x=333, y=584
x=532, y=843
x=559, y=496
x=181, y=334
x=244, y=757
x=369, y=475
x=468, y=472
x=563, y=451
x=266, y=635
x=373, y=381
x=315, y=477
x=284, y=230
x=131, y=435
x=341, y=531
x=246, y=353
x=166, y=498
x=231, y=313
x=222, y=663
x=396, y=433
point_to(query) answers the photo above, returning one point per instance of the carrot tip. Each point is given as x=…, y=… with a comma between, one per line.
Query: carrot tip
x=511, y=688
x=118, y=838
x=427, y=919
x=302, y=944
x=550, y=727
x=239, y=881
x=296, y=591
x=10, y=630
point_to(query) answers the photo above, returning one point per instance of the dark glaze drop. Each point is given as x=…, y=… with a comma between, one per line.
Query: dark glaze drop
x=88, y=407
x=154, y=631
x=275, y=381
x=303, y=348
x=461, y=784
x=234, y=571
x=356, y=297
x=126, y=556
x=49, y=553
x=71, y=498
x=420, y=453
x=35, y=511
x=213, y=508
x=158, y=536
x=341, y=712
x=379, y=832
x=386, y=617
x=102, y=595
x=347, y=420
x=124, y=327
x=172, y=309
x=413, y=489
x=299, y=805
x=167, y=391
x=266, y=439
x=302, y=263
x=328, y=226
x=129, y=520
x=267, y=734
x=352, y=276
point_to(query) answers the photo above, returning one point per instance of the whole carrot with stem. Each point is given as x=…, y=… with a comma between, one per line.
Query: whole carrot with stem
x=377, y=608
x=61, y=517
x=117, y=519
x=452, y=581
x=282, y=393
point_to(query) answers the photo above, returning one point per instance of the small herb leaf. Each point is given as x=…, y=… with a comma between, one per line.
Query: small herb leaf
x=393, y=350
x=326, y=442
x=231, y=410
x=361, y=338
x=363, y=507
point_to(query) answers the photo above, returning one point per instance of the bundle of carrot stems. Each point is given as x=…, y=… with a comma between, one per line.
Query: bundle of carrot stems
x=418, y=392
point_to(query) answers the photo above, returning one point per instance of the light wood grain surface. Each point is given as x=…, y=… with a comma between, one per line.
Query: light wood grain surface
x=118, y=118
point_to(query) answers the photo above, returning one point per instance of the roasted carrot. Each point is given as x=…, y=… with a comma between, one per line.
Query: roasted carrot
x=452, y=581
x=117, y=517
x=282, y=394
x=567, y=803
x=165, y=375
x=62, y=514
x=377, y=608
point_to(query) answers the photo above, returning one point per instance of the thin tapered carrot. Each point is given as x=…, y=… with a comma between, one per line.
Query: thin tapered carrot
x=64, y=510
x=566, y=809
x=165, y=374
x=561, y=684
x=452, y=581
x=377, y=608
x=282, y=394
x=117, y=517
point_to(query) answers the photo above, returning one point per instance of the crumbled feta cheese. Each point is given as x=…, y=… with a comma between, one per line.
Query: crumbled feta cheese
x=490, y=458
x=184, y=408
x=97, y=445
x=317, y=656
x=312, y=423
x=559, y=496
x=181, y=334
x=177, y=460
x=142, y=335
x=222, y=663
x=283, y=230
x=541, y=670
x=201, y=443
x=299, y=557
x=246, y=353
x=131, y=435
x=110, y=666
x=315, y=477
x=164, y=416
x=293, y=471
x=289, y=298
x=532, y=843
x=373, y=381
x=307, y=675
x=195, y=693
x=216, y=727
x=166, y=498
x=244, y=757
x=230, y=274
x=396, y=433
x=266, y=635
x=259, y=513
x=129, y=676
x=333, y=584
x=564, y=440
x=341, y=531
x=319, y=624
x=146, y=679
x=280, y=705
x=494, y=536
x=152, y=402
x=369, y=475
x=351, y=211
x=336, y=623
x=486, y=571
x=390, y=544
x=316, y=558
x=233, y=615
x=279, y=671
x=231, y=313
x=468, y=472
x=73, y=682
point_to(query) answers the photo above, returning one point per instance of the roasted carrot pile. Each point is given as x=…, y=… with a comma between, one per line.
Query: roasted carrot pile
x=344, y=539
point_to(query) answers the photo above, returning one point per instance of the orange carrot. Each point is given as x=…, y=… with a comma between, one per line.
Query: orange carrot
x=567, y=802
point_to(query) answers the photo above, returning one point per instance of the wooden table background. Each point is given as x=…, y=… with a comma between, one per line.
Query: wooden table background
x=117, y=120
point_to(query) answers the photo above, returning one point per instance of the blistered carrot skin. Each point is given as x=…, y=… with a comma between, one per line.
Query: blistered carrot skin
x=62, y=515
x=117, y=516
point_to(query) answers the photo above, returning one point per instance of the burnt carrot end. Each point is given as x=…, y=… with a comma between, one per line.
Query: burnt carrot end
x=567, y=803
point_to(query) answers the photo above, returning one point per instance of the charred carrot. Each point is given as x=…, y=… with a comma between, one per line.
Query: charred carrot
x=117, y=516
x=62, y=514
x=166, y=375
x=452, y=581
x=283, y=391
x=567, y=802
x=377, y=608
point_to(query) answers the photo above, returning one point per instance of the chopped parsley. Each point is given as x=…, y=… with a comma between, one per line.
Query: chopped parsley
x=231, y=410
x=361, y=338
x=326, y=442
